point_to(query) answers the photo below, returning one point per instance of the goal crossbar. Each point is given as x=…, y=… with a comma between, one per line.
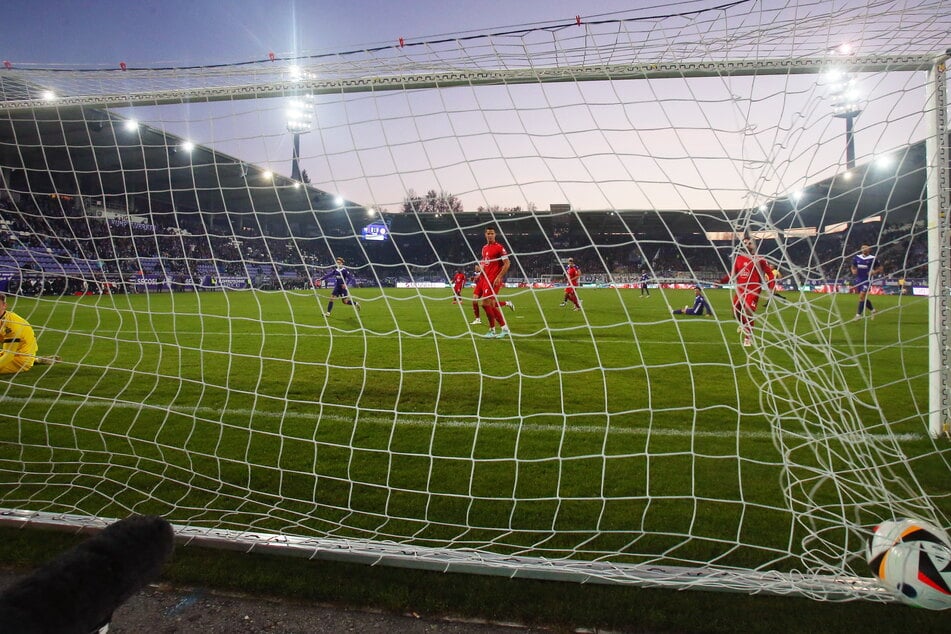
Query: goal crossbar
x=271, y=87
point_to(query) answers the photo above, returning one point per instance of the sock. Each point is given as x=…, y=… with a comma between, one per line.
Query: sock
x=499, y=319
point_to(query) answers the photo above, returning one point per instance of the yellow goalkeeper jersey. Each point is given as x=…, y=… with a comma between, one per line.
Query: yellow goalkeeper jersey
x=19, y=344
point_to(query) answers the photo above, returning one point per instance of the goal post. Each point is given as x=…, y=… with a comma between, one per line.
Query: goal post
x=939, y=248
x=175, y=234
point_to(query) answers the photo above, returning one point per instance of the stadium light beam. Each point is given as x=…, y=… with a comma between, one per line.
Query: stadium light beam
x=846, y=104
x=300, y=120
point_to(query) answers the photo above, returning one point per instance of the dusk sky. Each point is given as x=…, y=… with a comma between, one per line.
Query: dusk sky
x=704, y=144
x=181, y=32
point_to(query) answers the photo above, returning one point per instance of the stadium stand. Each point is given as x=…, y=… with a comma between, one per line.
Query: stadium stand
x=203, y=221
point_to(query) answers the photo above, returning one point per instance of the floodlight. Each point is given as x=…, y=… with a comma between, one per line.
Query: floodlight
x=300, y=114
x=846, y=104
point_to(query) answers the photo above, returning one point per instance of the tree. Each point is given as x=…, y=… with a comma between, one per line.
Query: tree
x=304, y=177
x=492, y=209
x=431, y=203
x=412, y=203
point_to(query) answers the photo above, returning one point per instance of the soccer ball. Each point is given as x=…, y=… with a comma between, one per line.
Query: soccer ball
x=912, y=559
x=891, y=532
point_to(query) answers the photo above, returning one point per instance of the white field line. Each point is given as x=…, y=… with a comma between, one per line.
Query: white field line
x=217, y=415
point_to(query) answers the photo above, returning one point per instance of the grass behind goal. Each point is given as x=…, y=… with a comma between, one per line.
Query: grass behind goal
x=614, y=433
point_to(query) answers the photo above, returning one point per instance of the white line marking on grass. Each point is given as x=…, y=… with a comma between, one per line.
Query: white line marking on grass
x=207, y=413
x=319, y=330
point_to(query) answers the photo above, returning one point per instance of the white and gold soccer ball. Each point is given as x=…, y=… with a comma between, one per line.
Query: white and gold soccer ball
x=912, y=559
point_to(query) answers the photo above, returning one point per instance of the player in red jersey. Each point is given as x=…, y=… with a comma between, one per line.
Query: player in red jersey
x=458, y=281
x=573, y=277
x=750, y=272
x=493, y=266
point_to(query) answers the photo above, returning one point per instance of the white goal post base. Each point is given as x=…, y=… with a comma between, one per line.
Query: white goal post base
x=823, y=587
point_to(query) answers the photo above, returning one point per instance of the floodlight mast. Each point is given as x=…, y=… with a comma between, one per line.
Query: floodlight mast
x=849, y=136
x=300, y=120
x=846, y=105
x=295, y=158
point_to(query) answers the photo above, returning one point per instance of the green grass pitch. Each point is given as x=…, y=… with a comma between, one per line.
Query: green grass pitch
x=619, y=431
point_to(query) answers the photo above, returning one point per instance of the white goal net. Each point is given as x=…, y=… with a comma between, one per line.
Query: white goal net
x=173, y=234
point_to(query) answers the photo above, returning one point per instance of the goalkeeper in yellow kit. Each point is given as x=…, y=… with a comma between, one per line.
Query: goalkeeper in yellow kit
x=17, y=343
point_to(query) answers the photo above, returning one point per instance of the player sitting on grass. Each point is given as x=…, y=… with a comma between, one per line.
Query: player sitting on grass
x=700, y=305
x=18, y=344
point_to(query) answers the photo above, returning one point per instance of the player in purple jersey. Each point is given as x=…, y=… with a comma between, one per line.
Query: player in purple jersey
x=700, y=305
x=342, y=280
x=864, y=267
x=645, y=289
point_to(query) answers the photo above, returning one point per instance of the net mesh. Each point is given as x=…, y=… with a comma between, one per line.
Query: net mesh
x=151, y=234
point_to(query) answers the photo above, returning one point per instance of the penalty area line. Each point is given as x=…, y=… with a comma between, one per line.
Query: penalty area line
x=216, y=415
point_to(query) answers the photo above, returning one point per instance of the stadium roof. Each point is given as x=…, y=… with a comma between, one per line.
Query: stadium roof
x=89, y=152
x=83, y=151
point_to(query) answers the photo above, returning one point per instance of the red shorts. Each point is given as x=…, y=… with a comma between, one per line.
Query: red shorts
x=746, y=301
x=484, y=289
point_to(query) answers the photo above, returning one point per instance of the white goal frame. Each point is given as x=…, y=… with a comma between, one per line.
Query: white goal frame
x=270, y=84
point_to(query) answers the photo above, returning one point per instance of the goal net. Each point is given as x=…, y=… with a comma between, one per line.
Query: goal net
x=172, y=234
